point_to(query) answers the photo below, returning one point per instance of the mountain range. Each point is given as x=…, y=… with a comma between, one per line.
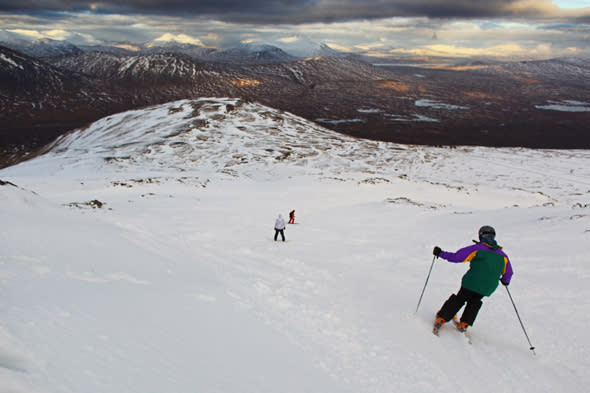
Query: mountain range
x=58, y=87
x=249, y=53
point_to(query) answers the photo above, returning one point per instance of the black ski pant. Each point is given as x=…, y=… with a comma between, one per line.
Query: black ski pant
x=281, y=231
x=454, y=303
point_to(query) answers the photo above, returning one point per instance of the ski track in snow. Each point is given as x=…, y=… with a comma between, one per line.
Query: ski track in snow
x=175, y=284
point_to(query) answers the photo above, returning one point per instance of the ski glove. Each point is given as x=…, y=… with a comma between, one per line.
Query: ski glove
x=437, y=250
x=504, y=283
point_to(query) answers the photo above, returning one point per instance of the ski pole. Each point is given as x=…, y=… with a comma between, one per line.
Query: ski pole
x=426, y=283
x=532, y=348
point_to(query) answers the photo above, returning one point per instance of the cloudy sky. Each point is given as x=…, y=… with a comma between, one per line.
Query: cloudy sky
x=518, y=29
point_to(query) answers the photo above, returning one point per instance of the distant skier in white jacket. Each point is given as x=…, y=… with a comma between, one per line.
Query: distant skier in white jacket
x=280, y=227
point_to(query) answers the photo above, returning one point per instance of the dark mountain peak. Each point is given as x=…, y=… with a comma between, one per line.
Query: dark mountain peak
x=46, y=47
x=191, y=50
x=19, y=71
x=252, y=53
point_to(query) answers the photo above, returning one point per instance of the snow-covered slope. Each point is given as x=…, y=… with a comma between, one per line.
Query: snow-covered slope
x=137, y=256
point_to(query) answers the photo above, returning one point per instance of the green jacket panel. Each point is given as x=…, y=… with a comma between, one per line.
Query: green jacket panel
x=484, y=272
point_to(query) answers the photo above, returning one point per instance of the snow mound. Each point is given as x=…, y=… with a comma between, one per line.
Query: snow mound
x=225, y=134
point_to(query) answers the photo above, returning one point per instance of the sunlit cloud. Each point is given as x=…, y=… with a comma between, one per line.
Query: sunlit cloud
x=532, y=8
x=370, y=46
x=33, y=34
x=340, y=48
x=57, y=34
x=507, y=51
x=289, y=39
x=129, y=47
x=179, y=38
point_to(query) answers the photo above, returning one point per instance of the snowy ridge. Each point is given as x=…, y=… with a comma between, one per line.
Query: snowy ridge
x=239, y=138
x=171, y=281
x=227, y=134
x=113, y=66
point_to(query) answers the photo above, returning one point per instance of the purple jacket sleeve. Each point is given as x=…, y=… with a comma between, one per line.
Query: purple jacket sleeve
x=462, y=254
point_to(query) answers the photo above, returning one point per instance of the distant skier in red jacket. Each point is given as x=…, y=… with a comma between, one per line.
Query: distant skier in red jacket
x=292, y=217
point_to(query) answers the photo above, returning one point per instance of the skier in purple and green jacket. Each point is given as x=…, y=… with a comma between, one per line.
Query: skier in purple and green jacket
x=489, y=265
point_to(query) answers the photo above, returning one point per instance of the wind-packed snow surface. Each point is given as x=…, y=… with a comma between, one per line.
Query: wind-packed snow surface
x=137, y=257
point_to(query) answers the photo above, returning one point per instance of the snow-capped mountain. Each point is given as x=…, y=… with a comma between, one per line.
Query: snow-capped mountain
x=193, y=51
x=49, y=48
x=247, y=53
x=39, y=48
x=140, y=249
x=251, y=54
x=304, y=47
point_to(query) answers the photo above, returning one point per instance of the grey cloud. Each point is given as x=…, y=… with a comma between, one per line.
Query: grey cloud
x=284, y=11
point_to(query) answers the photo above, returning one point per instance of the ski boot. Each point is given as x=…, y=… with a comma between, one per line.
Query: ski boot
x=461, y=326
x=438, y=323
